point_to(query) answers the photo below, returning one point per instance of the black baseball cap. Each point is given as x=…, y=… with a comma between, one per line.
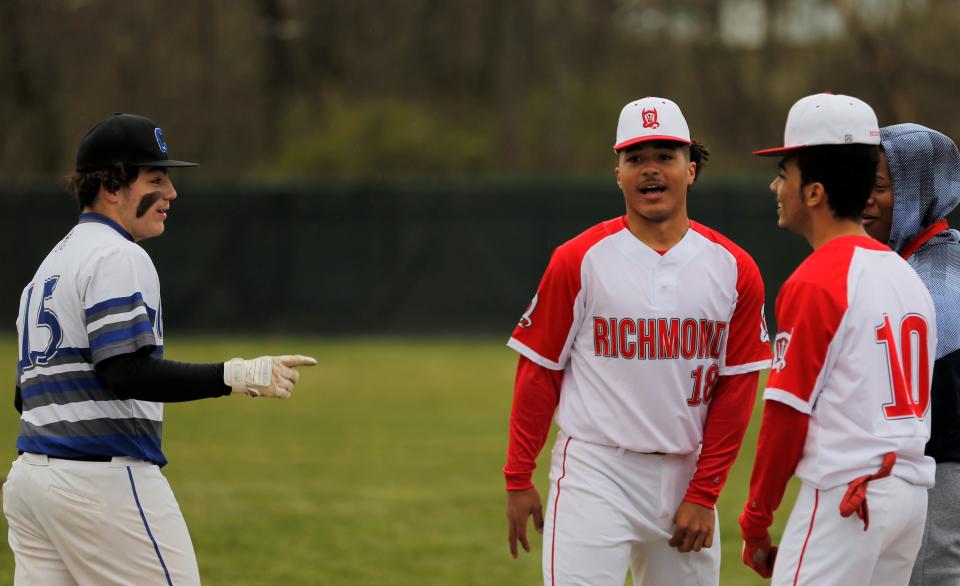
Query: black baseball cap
x=125, y=138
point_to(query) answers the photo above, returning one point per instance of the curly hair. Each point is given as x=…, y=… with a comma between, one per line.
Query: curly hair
x=85, y=185
x=699, y=154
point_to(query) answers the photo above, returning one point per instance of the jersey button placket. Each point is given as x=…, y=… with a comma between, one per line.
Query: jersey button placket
x=665, y=286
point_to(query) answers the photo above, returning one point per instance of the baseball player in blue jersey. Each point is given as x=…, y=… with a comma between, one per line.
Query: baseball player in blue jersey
x=85, y=500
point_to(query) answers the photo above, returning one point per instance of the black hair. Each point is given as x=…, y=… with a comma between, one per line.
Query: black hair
x=847, y=172
x=699, y=154
x=85, y=185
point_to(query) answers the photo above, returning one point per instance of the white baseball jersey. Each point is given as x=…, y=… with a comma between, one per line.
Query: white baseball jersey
x=643, y=337
x=855, y=351
x=95, y=296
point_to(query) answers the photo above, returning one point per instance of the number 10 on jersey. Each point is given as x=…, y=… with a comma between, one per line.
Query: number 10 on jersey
x=909, y=367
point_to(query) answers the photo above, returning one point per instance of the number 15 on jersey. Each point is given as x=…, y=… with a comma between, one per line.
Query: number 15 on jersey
x=45, y=318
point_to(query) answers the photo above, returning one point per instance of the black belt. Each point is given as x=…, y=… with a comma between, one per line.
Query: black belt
x=79, y=458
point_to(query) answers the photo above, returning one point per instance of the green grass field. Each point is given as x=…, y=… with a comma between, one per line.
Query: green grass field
x=384, y=469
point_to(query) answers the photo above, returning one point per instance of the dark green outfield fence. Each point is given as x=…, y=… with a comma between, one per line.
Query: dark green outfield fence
x=324, y=258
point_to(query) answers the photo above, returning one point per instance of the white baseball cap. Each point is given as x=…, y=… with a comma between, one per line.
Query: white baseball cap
x=651, y=119
x=827, y=119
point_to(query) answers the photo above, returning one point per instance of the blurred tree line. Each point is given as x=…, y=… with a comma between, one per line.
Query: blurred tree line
x=396, y=88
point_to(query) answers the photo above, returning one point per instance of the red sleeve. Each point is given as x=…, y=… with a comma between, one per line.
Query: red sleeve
x=748, y=344
x=536, y=394
x=544, y=332
x=783, y=434
x=809, y=312
x=723, y=431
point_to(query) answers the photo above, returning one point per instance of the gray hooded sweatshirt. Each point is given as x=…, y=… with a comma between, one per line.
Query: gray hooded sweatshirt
x=925, y=176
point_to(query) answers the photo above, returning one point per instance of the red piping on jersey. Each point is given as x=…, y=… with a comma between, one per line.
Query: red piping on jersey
x=816, y=501
x=556, y=501
x=931, y=231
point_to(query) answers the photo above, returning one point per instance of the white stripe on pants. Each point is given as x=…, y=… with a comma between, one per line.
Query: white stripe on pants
x=831, y=550
x=610, y=510
x=97, y=523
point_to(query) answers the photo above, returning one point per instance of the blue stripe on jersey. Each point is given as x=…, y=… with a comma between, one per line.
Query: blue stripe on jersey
x=136, y=328
x=97, y=218
x=70, y=356
x=84, y=381
x=63, y=355
x=156, y=547
x=116, y=301
x=66, y=352
x=143, y=447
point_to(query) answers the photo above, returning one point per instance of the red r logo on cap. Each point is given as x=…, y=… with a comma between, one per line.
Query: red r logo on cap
x=650, y=118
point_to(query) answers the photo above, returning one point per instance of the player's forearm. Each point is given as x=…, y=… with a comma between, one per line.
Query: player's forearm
x=723, y=432
x=138, y=376
x=783, y=433
x=535, y=398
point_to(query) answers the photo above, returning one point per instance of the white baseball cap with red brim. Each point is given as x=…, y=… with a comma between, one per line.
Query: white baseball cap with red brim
x=823, y=119
x=651, y=119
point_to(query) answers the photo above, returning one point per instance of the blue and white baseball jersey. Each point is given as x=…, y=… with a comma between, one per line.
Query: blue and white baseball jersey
x=95, y=296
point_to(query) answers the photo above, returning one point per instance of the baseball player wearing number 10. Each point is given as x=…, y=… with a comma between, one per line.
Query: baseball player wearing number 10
x=647, y=331
x=848, y=398
x=85, y=501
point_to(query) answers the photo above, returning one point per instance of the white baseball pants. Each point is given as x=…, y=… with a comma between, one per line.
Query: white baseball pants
x=95, y=523
x=610, y=510
x=821, y=548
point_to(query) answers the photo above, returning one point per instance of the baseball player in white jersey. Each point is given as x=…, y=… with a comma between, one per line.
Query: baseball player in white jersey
x=848, y=398
x=647, y=331
x=85, y=501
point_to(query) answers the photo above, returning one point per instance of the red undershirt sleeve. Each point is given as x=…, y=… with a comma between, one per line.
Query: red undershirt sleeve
x=723, y=431
x=536, y=394
x=783, y=434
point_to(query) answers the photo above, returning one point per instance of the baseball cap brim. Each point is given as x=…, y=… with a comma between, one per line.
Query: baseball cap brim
x=640, y=139
x=774, y=152
x=167, y=163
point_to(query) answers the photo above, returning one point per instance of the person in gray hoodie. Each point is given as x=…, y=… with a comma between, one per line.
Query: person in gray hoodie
x=918, y=184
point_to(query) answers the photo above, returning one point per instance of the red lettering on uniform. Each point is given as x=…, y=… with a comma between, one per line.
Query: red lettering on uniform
x=601, y=340
x=915, y=327
x=646, y=330
x=613, y=337
x=669, y=338
x=713, y=375
x=657, y=338
x=717, y=339
x=706, y=335
x=909, y=400
x=688, y=339
x=697, y=376
x=628, y=349
x=703, y=389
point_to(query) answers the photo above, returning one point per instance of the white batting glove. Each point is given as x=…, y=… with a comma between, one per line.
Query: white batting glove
x=266, y=376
